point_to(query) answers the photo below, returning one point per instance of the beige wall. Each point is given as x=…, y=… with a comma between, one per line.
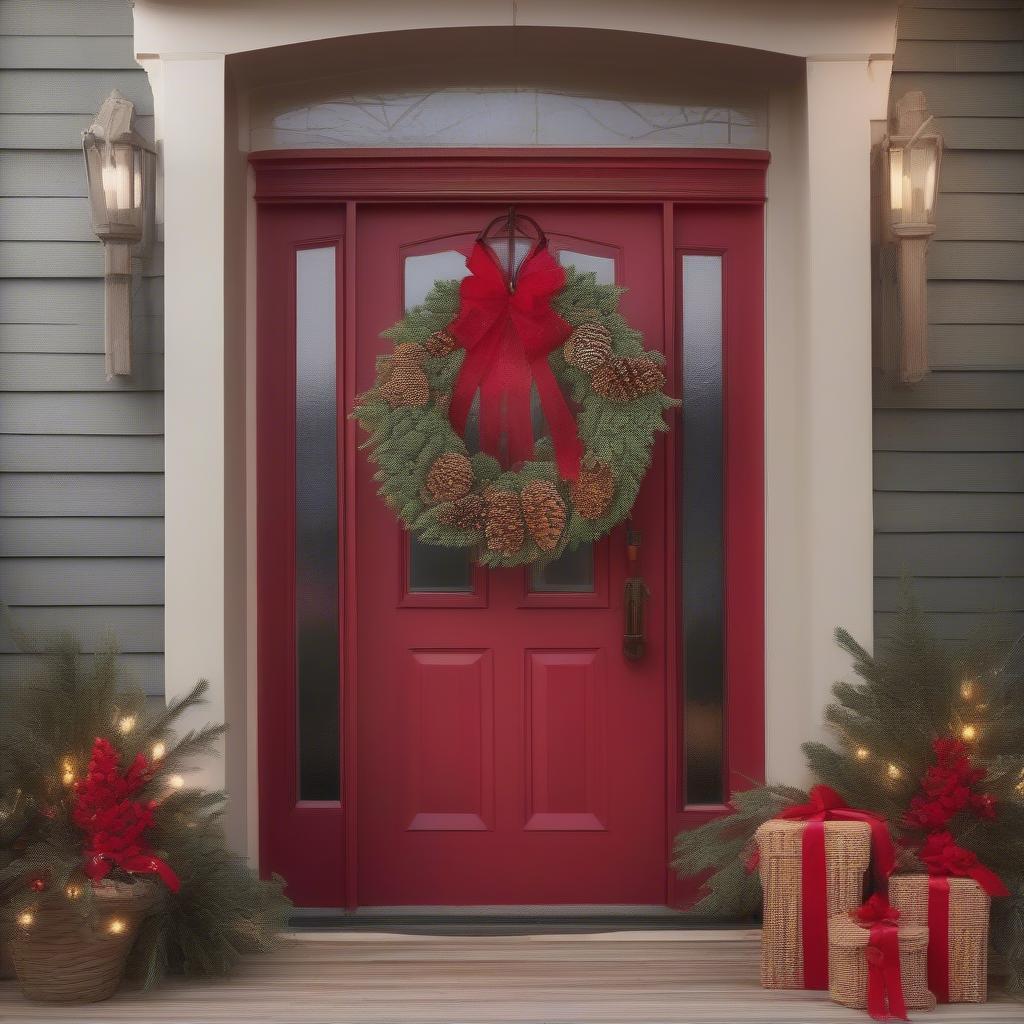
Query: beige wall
x=818, y=395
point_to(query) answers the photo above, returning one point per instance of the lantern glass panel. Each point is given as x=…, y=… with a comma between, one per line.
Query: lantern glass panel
x=913, y=176
x=116, y=174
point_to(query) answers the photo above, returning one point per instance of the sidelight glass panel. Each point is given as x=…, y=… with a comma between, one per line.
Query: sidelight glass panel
x=701, y=541
x=316, y=526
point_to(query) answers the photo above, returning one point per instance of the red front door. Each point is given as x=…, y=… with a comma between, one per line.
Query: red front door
x=507, y=752
x=431, y=733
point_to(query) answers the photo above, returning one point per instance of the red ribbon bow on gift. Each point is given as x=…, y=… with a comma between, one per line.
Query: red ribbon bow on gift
x=885, y=985
x=508, y=330
x=943, y=858
x=827, y=805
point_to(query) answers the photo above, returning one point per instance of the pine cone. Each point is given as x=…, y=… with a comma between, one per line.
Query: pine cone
x=503, y=523
x=441, y=343
x=466, y=514
x=627, y=378
x=405, y=384
x=409, y=352
x=450, y=477
x=592, y=491
x=544, y=512
x=588, y=347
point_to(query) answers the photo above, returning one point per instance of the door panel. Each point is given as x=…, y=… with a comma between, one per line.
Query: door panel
x=531, y=764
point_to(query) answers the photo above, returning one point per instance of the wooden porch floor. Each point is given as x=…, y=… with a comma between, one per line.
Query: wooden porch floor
x=612, y=978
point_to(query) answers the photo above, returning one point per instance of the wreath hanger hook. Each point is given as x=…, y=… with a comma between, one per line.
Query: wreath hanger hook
x=512, y=220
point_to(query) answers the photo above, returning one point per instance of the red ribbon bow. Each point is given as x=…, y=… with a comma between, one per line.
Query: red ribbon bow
x=827, y=805
x=885, y=984
x=508, y=333
x=943, y=858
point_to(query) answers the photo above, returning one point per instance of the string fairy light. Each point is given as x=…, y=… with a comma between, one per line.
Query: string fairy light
x=116, y=926
x=967, y=689
x=26, y=919
x=126, y=724
x=894, y=772
x=159, y=749
x=969, y=733
x=73, y=892
x=863, y=753
x=176, y=782
x=67, y=771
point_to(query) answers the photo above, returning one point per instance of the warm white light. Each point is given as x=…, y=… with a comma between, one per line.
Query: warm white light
x=126, y=724
x=67, y=772
x=117, y=181
x=73, y=892
x=896, y=179
x=26, y=919
x=894, y=772
x=158, y=751
x=116, y=926
x=967, y=689
x=969, y=733
x=176, y=782
x=863, y=753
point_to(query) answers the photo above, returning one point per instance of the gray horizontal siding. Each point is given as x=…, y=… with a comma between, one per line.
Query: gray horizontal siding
x=41, y=173
x=81, y=457
x=83, y=581
x=967, y=170
x=145, y=670
x=139, y=629
x=65, y=52
x=81, y=536
x=949, y=452
x=67, y=453
x=120, y=413
x=81, y=494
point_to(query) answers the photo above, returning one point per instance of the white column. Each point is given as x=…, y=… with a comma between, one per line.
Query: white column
x=843, y=96
x=191, y=130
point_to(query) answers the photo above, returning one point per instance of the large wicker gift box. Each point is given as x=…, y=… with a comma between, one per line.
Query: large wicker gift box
x=848, y=964
x=966, y=961
x=780, y=842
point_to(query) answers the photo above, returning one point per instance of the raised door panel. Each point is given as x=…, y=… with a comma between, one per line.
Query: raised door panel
x=566, y=750
x=450, y=708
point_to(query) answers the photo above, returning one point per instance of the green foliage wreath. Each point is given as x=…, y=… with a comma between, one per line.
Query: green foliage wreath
x=449, y=496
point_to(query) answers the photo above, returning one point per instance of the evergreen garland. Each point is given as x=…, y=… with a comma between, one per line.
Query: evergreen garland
x=405, y=441
x=222, y=910
x=913, y=690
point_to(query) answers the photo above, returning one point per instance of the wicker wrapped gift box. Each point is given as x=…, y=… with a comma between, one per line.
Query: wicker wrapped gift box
x=848, y=964
x=969, y=907
x=780, y=842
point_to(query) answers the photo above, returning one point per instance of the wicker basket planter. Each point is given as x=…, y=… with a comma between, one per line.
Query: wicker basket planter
x=848, y=964
x=63, y=957
x=969, y=908
x=847, y=855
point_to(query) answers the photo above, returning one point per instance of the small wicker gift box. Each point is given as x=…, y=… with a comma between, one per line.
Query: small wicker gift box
x=848, y=965
x=966, y=960
x=780, y=842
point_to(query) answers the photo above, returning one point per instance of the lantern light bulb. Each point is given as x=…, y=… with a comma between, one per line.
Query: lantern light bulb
x=159, y=749
x=894, y=772
x=969, y=733
x=863, y=753
x=126, y=724
x=26, y=919
x=116, y=926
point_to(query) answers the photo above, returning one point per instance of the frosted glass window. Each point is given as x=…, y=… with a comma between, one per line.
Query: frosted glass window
x=433, y=569
x=571, y=573
x=602, y=267
x=316, y=526
x=702, y=546
x=495, y=116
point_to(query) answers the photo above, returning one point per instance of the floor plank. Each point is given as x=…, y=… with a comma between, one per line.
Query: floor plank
x=370, y=978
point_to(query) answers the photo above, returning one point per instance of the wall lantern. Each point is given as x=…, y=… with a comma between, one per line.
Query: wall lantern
x=911, y=159
x=119, y=167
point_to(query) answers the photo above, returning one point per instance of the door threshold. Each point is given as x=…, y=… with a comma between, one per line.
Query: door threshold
x=503, y=919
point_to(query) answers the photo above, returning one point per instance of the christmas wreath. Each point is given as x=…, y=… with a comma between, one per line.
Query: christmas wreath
x=549, y=332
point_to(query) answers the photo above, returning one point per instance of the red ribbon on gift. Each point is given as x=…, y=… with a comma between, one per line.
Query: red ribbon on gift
x=885, y=983
x=943, y=858
x=508, y=331
x=827, y=805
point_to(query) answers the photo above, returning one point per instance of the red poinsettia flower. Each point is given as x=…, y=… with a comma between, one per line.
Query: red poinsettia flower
x=114, y=825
